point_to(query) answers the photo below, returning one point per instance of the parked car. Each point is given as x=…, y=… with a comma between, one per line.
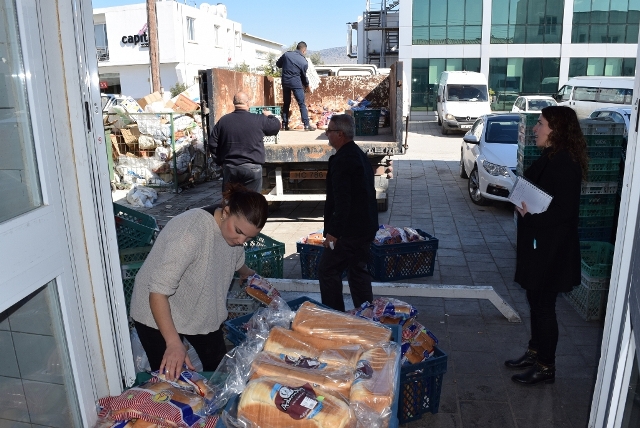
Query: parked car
x=614, y=114
x=488, y=152
x=528, y=103
x=109, y=100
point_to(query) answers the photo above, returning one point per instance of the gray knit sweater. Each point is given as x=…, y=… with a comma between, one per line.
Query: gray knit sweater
x=192, y=264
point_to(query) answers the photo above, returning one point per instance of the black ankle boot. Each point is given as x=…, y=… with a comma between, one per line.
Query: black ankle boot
x=536, y=374
x=527, y=360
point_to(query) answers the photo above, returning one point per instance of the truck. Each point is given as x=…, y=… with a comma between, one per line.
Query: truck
x=462, y=97
x=296, y=162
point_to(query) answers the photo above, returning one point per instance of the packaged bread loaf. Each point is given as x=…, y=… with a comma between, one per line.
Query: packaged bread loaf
x=337, y=326
x=374, y=386
x=261, y=289
x=298, y=345
x=270, y=402
x=305, y=370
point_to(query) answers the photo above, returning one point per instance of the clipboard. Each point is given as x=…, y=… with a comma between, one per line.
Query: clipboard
x=537, y=200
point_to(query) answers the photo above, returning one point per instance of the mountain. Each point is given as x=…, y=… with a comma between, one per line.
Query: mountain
x=334, y=55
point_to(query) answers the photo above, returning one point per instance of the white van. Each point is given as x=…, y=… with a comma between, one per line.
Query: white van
x=587, y=93
x=462, y=97
x=350, y=70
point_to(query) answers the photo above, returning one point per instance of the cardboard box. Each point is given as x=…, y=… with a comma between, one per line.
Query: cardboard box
x=183, y=104
x=149, y=99
x=131, y=105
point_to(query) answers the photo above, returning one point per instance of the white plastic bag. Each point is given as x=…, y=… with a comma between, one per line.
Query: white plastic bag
x=140, y=360
x=140, y=196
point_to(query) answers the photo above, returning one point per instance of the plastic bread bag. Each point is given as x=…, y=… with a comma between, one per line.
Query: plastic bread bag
x=155, y=402
x=276, y=402
x=261, y=289
x=191, y=381
x=110, y=423
x=412, y=235
x=373, y=392
x=230, y=377
x=303, y=369
x=386, y=310
x=417, y=343
x=298, y=345
x=140, y=360
x=342, y=328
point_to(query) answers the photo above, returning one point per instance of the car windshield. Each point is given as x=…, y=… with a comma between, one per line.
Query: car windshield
x=502, y=131
x=467, y=93
x=537, y=105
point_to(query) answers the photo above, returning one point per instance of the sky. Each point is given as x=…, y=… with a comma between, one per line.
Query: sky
x=319, y=23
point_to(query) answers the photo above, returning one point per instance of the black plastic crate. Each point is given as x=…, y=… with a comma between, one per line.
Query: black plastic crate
x=310, y=256
x=420, y=387
x=405, y=260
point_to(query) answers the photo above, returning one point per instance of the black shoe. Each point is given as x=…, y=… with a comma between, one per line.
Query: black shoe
x=527, y=360
x=309, y=128
x=536, y=374
x=285, y=127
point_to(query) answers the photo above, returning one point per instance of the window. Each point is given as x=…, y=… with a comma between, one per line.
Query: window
x=261, y=55
x=191, y=29
x=447, y=22
x=526, y=21
x=605, y=21
x=216, y=35
x=511, y=77
x=238, y=39
x=102, y=44
x=426, y=75
x=602, y=67
x=581, y=93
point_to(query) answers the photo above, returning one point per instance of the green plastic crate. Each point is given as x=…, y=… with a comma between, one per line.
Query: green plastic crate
x=367, y=122
x=275, y=110
x=131, y=260
x=529, y=119
x=603, y=176
x=526, y=140
x=590, y=222
x=529, y=151
x=265, y=255
x=590, y=304
x=133, y=228
x=604, y=140
x=597, y=258
x=588, y=210
x=599, y=188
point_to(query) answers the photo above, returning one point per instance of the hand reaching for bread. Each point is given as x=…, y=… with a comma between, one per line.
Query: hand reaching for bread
x=175, y=356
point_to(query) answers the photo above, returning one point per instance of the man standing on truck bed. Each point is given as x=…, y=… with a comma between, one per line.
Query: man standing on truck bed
x=236, y=141
x=294, y=79
x=350, y=218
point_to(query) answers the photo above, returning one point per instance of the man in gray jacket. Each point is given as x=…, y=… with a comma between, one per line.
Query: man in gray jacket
x=294, y=79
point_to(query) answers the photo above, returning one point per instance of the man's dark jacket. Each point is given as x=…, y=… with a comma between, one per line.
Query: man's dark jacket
x=294, y=69
x=237, y=137
x=351, y=209
x=553, y=262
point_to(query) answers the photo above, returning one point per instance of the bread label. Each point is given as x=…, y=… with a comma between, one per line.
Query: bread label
x=298, y=403
x=303, y=362
x=363, y=370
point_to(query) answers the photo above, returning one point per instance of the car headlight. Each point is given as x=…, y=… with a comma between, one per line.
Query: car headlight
x=494, y=169
x=449, y=116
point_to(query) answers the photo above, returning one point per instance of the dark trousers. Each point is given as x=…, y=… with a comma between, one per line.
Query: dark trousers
x=248, y=174
x=351, y=254
x=544, y=325
x=210, y=347
x=298, y=93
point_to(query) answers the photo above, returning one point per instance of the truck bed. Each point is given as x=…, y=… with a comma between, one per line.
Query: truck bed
x=313, y=146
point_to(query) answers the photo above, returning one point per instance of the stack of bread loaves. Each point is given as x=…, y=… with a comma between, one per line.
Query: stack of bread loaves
x=330, y=370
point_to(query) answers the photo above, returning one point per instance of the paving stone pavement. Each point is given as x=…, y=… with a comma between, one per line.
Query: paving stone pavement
x=476, y=247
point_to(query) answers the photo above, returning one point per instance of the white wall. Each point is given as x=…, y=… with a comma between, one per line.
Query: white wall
x=180, y=58
x=255, y=50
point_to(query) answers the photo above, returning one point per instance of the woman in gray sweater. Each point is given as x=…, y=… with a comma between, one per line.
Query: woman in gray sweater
x=181, y=289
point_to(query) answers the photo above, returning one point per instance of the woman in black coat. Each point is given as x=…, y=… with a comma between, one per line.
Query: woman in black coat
x=548, y=254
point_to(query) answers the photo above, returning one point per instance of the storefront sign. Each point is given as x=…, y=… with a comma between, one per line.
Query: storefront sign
x=141, y=38
x=104, y=85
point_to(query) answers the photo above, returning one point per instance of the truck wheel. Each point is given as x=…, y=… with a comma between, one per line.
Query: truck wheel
x=444, y=130
x=383, y=205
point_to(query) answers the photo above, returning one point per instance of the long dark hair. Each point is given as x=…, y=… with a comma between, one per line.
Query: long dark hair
x=245, y=203
x=566, y=134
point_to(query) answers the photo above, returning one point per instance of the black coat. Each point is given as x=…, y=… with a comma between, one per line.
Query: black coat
x=554, y=263
x=351, y=209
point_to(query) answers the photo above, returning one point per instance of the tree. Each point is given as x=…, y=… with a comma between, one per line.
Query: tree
x=316, y=58
x=178, y=88
x=242, y=68
x=270, y=69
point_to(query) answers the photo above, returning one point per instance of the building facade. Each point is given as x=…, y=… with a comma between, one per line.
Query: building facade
x=189, y=39
x=522, y=46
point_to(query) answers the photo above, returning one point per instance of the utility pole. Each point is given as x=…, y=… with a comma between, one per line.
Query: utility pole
x=154, y=56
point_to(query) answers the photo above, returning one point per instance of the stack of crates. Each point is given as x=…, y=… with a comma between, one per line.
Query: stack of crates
x=275, y=110
x=527, y=149
x=599, y=201
x=589, y=299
